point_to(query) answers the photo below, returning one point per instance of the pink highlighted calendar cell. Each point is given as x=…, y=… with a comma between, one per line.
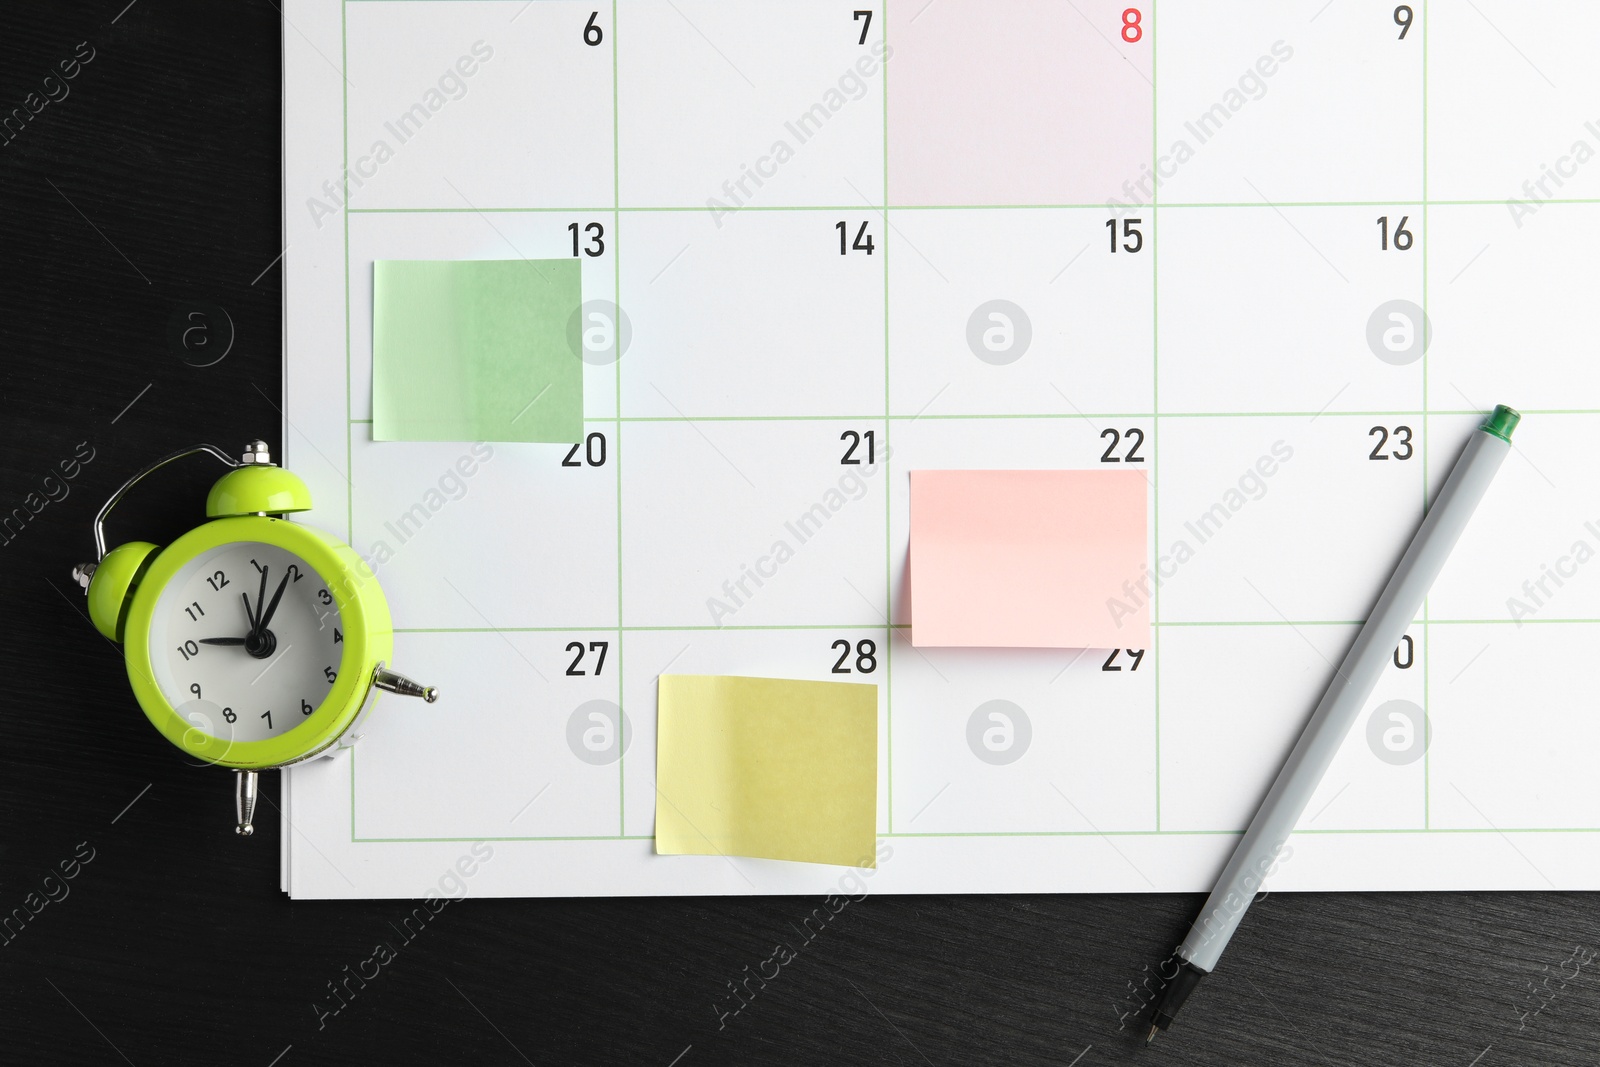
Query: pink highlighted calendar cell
x=1035, y=102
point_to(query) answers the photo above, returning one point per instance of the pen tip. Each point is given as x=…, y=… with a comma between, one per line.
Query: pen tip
x=1151, y=1036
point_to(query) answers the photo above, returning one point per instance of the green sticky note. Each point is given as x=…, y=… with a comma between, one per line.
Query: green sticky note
x=767, y=767
x=475, y=350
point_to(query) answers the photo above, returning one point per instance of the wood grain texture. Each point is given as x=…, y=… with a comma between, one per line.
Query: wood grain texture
x=155, y=185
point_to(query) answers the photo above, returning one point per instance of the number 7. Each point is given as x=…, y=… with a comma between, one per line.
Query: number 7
x=859, y=15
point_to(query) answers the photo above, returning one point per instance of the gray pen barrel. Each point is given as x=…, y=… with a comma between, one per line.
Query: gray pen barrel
x=1347, y=694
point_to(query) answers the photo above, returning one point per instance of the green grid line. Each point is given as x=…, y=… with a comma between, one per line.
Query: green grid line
x=1166, y=624
x=1427, y=250
x=1239, y=833
x=1092, y=416
x=888, y=460
x=1364, y=831
x=349, y=461
x=1155, y=397
x=668, y=208
x=344, y=153
x=642, y=629
x=616, y=292
x=432, y=840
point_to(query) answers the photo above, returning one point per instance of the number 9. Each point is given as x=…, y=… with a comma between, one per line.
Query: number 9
x=1402, y=18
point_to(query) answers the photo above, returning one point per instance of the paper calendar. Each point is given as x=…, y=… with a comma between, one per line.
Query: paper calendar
x=1279, y=258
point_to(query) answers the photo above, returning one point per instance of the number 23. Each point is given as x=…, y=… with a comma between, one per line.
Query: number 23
x=1402, y=435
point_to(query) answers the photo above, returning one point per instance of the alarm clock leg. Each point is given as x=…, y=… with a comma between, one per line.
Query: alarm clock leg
x=244, y=801
x=394, y=682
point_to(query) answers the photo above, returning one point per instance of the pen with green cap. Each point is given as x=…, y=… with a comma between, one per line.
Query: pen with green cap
x=1347, y=694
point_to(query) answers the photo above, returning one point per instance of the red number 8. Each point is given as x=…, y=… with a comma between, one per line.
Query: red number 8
x=1131, y=30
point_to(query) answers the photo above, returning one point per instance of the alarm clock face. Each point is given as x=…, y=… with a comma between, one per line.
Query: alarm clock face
x=245, y=641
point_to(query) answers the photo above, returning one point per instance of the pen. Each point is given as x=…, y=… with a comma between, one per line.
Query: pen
x=1347, y=693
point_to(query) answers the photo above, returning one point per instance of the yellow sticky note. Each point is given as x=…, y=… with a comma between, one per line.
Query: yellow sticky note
x=767, y=767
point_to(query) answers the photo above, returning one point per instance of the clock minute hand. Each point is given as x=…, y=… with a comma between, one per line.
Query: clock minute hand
x=272, y=607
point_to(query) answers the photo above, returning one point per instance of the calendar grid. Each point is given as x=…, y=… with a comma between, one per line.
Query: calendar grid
x=889, y=417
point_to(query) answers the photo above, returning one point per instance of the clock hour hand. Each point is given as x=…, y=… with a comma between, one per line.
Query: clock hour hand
x=223, y=640
x=256, y=625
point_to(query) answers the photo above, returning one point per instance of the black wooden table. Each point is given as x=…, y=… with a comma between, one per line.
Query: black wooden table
x=144, y=192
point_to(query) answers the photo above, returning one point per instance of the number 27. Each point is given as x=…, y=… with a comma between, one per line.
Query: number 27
x=594, y=646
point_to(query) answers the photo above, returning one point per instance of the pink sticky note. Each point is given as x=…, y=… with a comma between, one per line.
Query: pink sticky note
x=1030, y=559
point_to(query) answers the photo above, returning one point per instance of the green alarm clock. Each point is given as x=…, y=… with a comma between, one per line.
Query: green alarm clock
x=252, y=642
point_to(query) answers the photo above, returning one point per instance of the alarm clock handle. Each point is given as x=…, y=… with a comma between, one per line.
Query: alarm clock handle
x=100, y=519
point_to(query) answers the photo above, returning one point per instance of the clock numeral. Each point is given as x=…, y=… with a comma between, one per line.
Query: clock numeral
x=330, y=674
x=189, y=648
x=268, y=716
x=218, y=580
x=865, y=26
x=294, y=572
x=592, y=34
x=227, y=713
x=195, y=611
x=306, y=708
x=195, y=689
x=600, y=646
x=324, y=596
x=337, y=636
x=259, y=568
